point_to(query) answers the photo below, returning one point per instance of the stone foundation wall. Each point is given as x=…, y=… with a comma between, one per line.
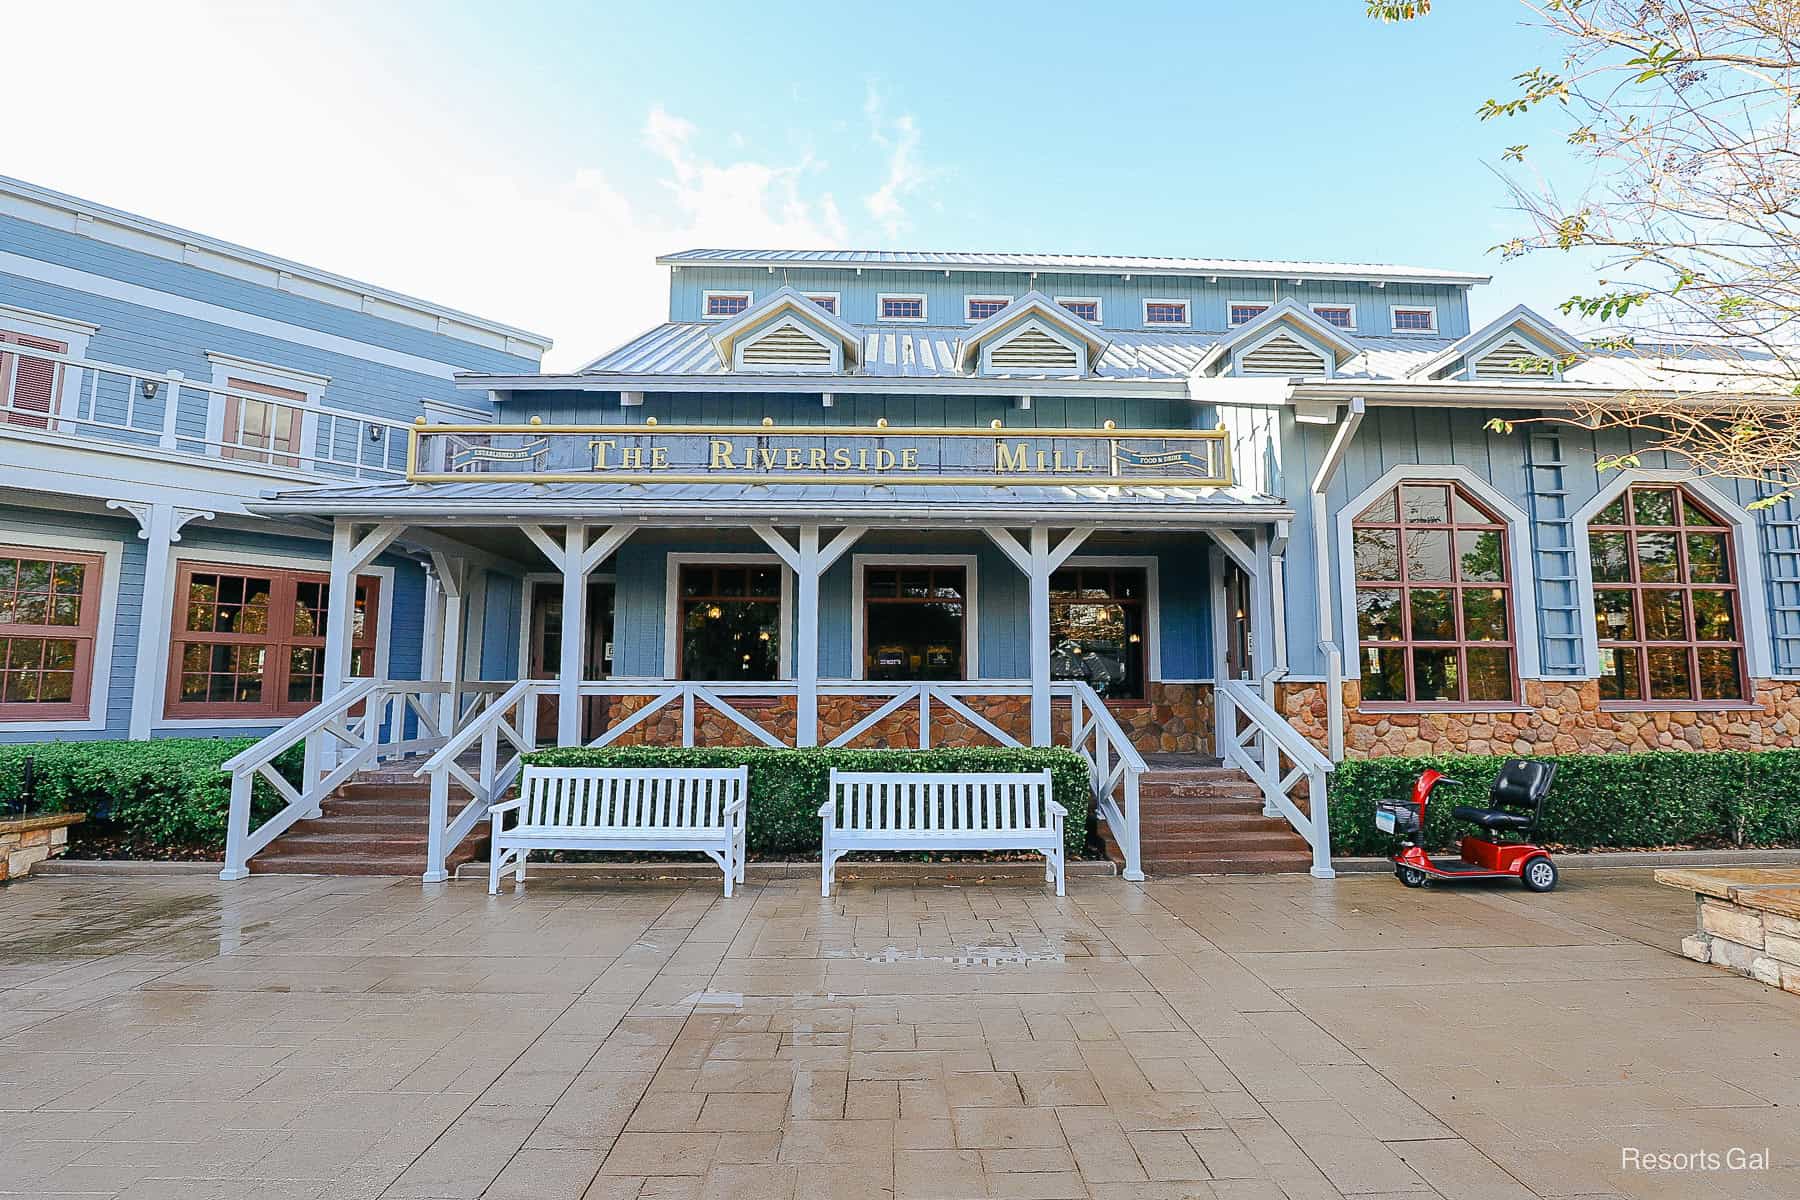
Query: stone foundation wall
x=1558, y=718
x=1176, y=717
x=27, y=841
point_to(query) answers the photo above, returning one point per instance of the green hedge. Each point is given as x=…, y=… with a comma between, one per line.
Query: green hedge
x=788, y=786
x=1665, y=798
x=156, y=796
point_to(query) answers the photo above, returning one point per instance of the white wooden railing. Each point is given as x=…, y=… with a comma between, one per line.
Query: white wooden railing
x=1259, y=741
x=367, y=722
x=1114, y=768
x=131, y=406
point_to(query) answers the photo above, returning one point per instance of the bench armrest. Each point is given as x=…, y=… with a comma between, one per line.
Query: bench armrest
x=737, y=806
x=826, y=809
x=1057, y=808
x=513, y=805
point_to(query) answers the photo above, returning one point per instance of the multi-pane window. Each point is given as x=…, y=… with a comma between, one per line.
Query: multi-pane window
x=1087, y=310
x=1433, y=599
x=1666, y=606
x=730, y=622
x=263, y=425
x=1097, y=629
x=28, y=384
x=726, y=304
x=1165, y=312
x=980, y=308
x=49, y=610
x=913, y=622
x=903, y=308
x=826, y=300
x=250, y=641
x=1341, y=315
x=1243, y=314
x=1415, y=320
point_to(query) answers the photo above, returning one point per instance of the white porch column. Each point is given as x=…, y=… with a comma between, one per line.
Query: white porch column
x=583, y=548
x=809, y=562
x=350, y=554
x=452, y=576
x=159, y=525
x=1039, y=559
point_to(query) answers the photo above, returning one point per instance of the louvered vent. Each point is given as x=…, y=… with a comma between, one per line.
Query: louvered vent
x=1283, y=356
x=1034, y=350
x=1509, y=359
x=787, y=346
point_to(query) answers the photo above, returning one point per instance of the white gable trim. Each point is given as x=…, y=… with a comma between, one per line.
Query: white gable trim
x=1294, y=333
x=1746, y=550
x=832, y=345
x=1521, y=578
x=1028, y=324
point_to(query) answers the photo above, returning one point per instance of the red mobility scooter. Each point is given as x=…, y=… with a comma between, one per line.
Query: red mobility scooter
x=1516, y=802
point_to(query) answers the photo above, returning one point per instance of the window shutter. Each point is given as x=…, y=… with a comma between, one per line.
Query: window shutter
x=32, y=380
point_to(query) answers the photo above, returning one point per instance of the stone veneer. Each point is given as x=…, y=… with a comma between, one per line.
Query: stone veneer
x=1176, y=717
x=1559, y=717
x=27, y=841
x=1747, y=920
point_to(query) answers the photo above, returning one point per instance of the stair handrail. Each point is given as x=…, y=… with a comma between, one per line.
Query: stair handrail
x=1115, y=767
x=492, y=776
x=1278, y=738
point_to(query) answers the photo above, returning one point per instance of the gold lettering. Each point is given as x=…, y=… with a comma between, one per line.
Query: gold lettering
x=721, y=456
x=659, y=458
x=1009, y=458
x=632, y=458
x=909, y=459
x=884, y=459
x=840, y=458
x=600, y=446
x=1081, y=460
x=862, y=458
x=791, y=460
x=1043, y=463
x=1056, y=462
x=815, y=459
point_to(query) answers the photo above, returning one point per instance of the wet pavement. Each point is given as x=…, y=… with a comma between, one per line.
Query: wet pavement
x=1247, y=1038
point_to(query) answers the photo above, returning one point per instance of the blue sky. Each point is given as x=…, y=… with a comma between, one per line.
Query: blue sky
x=525, y=162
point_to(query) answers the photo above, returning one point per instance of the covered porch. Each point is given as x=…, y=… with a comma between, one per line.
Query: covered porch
x=1114, y=621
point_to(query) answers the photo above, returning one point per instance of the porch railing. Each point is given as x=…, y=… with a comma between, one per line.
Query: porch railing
x=1114, y=768
x=367, y=722
x=131, y=406
x=1259, y=741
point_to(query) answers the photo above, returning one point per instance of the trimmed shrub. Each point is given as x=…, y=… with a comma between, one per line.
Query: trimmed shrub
x=155, y=796
x=1663, y=798
x=788, y=786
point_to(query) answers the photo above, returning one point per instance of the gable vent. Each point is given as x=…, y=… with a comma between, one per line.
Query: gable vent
x=1034, y=350
x=1282, y=355
x=787, y=346
x=1505, y=361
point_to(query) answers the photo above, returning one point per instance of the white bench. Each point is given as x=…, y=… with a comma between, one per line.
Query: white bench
x=890, y=810
x=619, y=808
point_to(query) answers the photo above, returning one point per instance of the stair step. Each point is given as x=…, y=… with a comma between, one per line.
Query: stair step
x=1249, y=863
x=1187, y=842
x=1154, y=789
x=311, y=844
x=1213, y=823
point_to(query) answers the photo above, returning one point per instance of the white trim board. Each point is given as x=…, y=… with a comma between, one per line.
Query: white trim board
x=1521, y=578
x=65, y=330
x=225, y=367
x=216, y=314
x=112, y=557
x=924, y=308
x=707, y=295
x=1187, y=313
x=1430, y=308
x=672, y=565
x=1746, y=549
x=1152, y=567
x=971, y=565
x=528, y=582
x=183, y=552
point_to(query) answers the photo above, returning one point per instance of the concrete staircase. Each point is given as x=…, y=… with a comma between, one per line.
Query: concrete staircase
x=373, y=825
x=1199, y=818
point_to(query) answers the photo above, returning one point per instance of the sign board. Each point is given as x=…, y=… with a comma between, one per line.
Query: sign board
x=818, y=454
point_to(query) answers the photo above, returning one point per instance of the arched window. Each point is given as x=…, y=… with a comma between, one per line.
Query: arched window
x=1665, y=600
x=1433, y=598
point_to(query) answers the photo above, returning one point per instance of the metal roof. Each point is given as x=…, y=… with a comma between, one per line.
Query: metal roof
x=713, y=503
x=1078, y=264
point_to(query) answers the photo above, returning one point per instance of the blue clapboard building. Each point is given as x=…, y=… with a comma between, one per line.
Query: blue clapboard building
x=1161, y=510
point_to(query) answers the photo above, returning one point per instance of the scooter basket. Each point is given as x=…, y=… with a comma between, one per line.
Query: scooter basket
x=1396, y=817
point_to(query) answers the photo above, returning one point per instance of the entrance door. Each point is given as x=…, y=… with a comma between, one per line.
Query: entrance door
x=546, y=609
x=1237, y=620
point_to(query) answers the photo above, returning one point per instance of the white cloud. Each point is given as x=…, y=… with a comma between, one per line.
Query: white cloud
x=272, y=145
x=906, y=174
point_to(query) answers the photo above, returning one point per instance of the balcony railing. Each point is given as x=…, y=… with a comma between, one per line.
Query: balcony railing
x=128, y=406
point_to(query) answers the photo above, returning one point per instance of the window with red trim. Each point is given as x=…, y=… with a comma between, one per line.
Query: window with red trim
x=49, y=611
x=250, y=642
x=264, y=431
x=1666, y=605
x=1433, y=599
x=28, y=385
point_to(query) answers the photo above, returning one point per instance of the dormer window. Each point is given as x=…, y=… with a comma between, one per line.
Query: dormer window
x=1242, y=312
x=722, y=306
x=1085, y=307
x=1341, y=315
x=980, y=308
x=901, y=308
x=1165, y=312
x=1414, y=319
x=825, y=300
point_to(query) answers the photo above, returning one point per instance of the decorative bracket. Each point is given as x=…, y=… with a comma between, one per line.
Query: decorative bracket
x=141, y=511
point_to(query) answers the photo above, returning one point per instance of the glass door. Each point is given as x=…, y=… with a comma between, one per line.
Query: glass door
x=545, y=655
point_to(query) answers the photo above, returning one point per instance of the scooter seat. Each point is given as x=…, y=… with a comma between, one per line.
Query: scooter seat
x=1492, y=818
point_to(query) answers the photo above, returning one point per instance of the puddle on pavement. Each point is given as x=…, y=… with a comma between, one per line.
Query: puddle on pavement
x=968, y=956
